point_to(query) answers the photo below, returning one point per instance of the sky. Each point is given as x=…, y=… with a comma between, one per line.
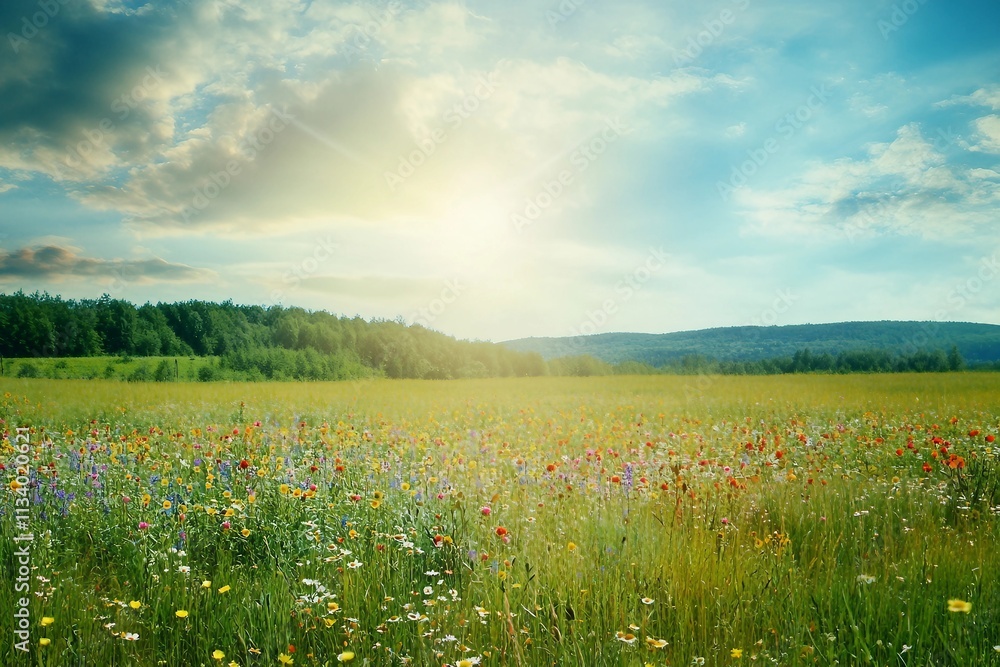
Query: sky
x=497, y=170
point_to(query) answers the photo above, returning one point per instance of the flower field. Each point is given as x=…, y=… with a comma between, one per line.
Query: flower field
x=792, y=520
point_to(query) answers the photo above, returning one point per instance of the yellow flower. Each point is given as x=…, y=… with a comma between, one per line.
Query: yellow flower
x=218, y=655
x=283, y=489
x=959, y=606
x=332, y=606
x=736, y=653
x=571, y=546
x=224, y=589
x=229, y=512
x=180, y=613
x=285, y=659
x=346, y=656
x=206, y=584
x=245, y=532
x=44, y=641
x=405, y=486
x=47, y=620
x=329, y=622
x=375, y=504
x=135, y=604
x=166, y=504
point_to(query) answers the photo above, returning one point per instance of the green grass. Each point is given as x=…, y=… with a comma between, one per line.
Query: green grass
x=837, y=551
x=111, y=368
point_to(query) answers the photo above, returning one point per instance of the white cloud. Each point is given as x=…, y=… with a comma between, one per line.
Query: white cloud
x=903, y=187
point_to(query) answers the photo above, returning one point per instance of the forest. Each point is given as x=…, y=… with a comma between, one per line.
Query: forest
x=252, y=342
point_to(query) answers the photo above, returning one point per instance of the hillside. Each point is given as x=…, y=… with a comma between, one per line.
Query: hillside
x=977, y=343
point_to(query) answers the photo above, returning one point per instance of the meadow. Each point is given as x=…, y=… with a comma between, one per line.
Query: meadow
x=658, y=520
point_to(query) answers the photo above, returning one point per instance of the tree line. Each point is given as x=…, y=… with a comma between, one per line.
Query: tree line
x=250, y=342
x=279, y=343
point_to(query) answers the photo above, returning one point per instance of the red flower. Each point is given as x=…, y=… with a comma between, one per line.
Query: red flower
x=501, y=531
x=244, y=464
x=927, y=467
x=990, y=438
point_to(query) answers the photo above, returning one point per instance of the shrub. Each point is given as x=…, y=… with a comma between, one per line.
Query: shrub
x=27, y=370
x=163, y=372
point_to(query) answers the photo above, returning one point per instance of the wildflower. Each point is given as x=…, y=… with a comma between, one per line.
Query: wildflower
x=132, y=636
x=245, y=532
x=485, y=510
x=44, y=641
x=206, y=584
x=655, y=643
x=375, y=504
x=626, y=637
x=956, y=605
x=354, y=565
x=47, y=620
x=285, y=659
x=648, y=601
x=218, y=655
x=143, y=525
x=346, y=656
x=224, y=589
x=571, y=547
x=180, y=613
x=468, y=662
x=166, y=504
x=135, y=604
x=866, y=579
x=501, y=531
x=736, y=653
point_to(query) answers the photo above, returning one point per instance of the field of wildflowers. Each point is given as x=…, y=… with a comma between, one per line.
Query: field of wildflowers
x=806, y=520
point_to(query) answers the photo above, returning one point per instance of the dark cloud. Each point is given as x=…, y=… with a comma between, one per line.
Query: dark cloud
x=82, y=74
x=55, y=262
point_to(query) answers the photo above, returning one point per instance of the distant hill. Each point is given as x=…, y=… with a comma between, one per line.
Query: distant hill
x=978, y=343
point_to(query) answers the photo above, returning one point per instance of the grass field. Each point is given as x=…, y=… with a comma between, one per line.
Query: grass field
x=184, y=369
x=791, y=520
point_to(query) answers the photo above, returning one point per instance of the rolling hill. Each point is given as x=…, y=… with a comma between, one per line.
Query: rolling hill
x=978, y=343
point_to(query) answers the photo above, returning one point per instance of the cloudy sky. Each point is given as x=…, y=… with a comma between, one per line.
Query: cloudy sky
x=505, y=169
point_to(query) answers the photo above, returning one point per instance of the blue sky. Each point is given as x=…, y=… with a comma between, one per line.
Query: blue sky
x=499, y=170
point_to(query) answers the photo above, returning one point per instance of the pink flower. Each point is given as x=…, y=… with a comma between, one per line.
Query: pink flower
x=486, y=511
x=126, y=499
x=225, y=525
x=143, y=525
